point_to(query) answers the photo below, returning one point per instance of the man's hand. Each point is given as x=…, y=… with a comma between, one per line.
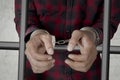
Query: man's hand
x=35, y=52
x=83, y=61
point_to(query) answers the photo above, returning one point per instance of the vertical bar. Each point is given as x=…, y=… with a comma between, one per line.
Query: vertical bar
x=22, y=42
x=106, y=42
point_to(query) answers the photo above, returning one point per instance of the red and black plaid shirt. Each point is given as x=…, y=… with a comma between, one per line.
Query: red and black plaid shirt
x=60, y=18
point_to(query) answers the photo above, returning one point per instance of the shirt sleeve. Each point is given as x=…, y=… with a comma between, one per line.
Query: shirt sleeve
x=32, y=21
x=114, y=20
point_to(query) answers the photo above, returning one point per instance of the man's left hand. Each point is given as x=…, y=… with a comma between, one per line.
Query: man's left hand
x=88, y=53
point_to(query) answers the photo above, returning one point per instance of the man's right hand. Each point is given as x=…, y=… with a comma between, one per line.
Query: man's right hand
x=35, y=52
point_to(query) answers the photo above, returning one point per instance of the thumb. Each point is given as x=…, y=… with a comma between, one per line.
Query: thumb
x=47, y=40
x=74, y=40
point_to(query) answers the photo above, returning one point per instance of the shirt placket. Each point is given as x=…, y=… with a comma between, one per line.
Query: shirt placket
x=69, y=25
x=68, y=29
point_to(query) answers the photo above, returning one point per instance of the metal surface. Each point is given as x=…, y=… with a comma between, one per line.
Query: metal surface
x=21, y=66
x=9, y=45
x=106, y=42
x=15, y=46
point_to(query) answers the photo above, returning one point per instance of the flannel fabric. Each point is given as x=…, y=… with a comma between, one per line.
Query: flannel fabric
x=62, y=71
x=60, y=18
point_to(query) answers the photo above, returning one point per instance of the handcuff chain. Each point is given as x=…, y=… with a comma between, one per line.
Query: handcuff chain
x=61, y=42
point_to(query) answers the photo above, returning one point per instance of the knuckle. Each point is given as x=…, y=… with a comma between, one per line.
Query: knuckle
x=85, y=69
x=35, y=70
x=29, y=43
x=76, y=31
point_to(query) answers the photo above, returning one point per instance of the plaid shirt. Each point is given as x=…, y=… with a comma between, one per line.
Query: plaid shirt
x=60, y=18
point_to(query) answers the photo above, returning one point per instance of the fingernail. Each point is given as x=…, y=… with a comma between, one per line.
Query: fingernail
x=70, y=56
x=50, y=51
x=70, y=47
x=66, y=61
x=49, y=58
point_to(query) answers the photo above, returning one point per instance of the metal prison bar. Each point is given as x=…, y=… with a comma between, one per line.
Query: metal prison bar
x=15, y=46
x=106, y=49
x=106, y=41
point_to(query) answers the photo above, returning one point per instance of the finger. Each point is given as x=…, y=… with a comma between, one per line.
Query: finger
x=44, y=64
x=39, y=63
x=78, y=57
x=36, y=55
x=47, y=40
x=36, y=52
x=78, y=66
x=74, y=40
x=41, y=70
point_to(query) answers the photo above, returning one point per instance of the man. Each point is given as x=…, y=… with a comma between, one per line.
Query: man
x=80, y=23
